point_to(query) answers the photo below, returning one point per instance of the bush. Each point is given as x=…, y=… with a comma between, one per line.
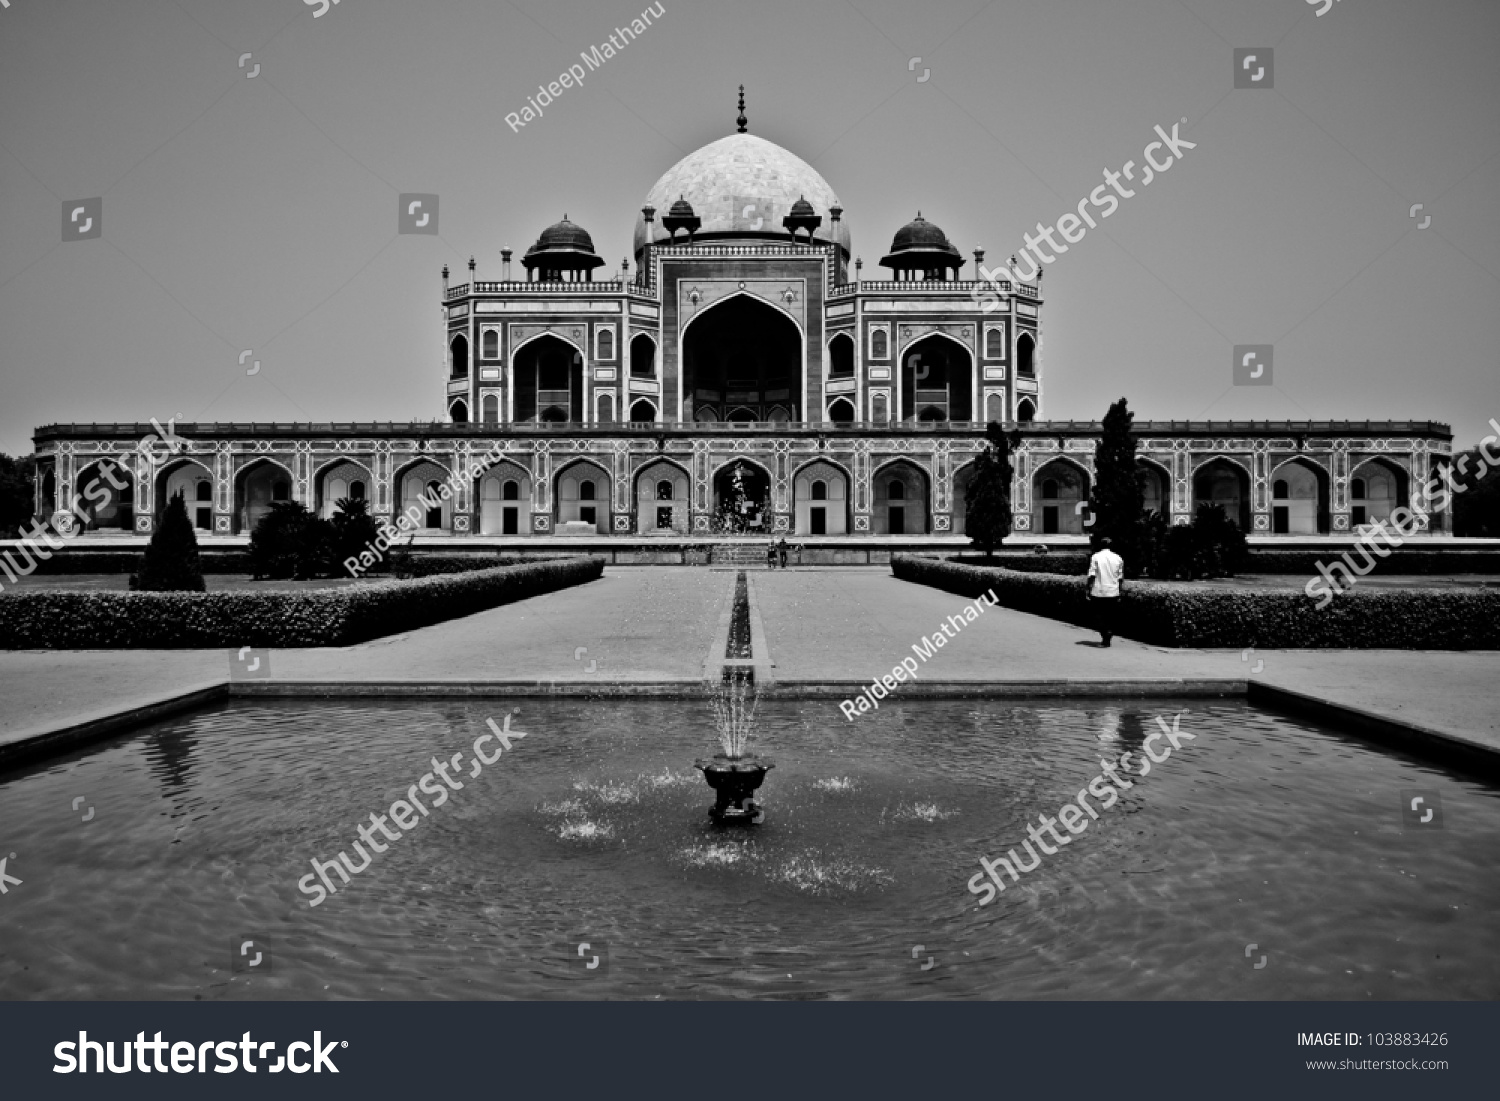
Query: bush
x=353, y=531
x=326, y=617
x=290, y=542
x=171, y=561
x=1168, y=614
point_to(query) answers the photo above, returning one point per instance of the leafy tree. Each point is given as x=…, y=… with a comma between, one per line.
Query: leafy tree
x=354, y=532
x=987, y=510
x=1117, y=502
x=171, y=563
x=1211, y=546
x=17, y=493
x=1219, y=543
x=290, y=542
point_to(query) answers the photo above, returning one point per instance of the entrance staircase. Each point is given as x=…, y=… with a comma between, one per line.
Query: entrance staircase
x=746, y=555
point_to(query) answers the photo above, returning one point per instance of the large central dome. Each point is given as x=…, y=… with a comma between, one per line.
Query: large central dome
x=742, y=186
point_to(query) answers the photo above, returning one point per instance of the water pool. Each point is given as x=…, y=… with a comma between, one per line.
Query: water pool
x=1263, y=830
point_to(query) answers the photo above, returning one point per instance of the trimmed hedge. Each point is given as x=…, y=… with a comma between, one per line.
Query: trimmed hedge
x=430, y=565
x=238, y=562
x=127, y=561
x=1271, y=562
x=1063, y=562
x=324, y=617
x=1410, y=561
x=1176, y=614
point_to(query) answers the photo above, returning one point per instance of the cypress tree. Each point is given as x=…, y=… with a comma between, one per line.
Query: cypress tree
x=987, y=510
x=171, y=563
x=1117, y=501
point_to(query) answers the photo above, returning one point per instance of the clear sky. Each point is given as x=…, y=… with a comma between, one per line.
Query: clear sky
x=259, y=212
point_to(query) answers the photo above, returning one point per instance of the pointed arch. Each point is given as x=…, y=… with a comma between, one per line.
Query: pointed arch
x=340, y=477
x=1300, y=497
x=742, y=351
x=904, y=510
x=504, y=494
x=188, y=477
x=581, y=492
x=821, y=498
x=662, y=488
x=108, y=492
x=258, y=485
x=1059, y=487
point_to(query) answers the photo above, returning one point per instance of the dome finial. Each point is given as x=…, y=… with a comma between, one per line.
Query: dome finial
x=742, y=120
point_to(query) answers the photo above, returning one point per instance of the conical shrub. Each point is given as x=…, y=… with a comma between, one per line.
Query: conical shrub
x=171, y=563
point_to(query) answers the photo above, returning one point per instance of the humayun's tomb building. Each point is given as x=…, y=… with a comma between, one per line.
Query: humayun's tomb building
x=742, y=338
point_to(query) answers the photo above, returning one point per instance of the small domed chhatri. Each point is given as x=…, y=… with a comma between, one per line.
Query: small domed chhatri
x=681, y=216
x=563, y=252
x=920, y=250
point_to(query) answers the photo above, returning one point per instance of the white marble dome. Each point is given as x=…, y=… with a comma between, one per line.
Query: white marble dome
x=725, y=177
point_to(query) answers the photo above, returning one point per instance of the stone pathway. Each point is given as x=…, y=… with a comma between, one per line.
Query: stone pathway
x=651, y=624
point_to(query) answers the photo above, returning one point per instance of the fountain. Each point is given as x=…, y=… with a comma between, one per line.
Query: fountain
x=735, y=774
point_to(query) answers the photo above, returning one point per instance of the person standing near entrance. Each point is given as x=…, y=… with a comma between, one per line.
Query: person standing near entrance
x=1106, y=575
x=781, y=550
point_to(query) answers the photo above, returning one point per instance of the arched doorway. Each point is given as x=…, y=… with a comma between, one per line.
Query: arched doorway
x=259, y=486
x=1058, y=489
x=505, y=500
x=820, y=497
x=841, y=411
x=1299, y=499
x=1376, y=489
x=583, y=496
x=937, y=376
x=841, y=357
x=1026, y=411
x=1226, y=484
x=900, y=500
x=1153, y=482
x=421, y=502
x=108, y=496
x=661, y=490
x=742, y=353
x=196, y=485
x=458, y=412
x=994, y=408
x=604, y=409
x=643, y=412
x=548, y=373
x=742, y=498
x=458, y=357
x=1026, y=356
x=338, y=481
x=642, y=357
x=490, y=404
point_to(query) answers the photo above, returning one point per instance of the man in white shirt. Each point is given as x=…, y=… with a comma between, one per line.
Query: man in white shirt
x=1106, y=574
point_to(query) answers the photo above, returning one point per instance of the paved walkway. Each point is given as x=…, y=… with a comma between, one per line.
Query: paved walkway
x=821, y=625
